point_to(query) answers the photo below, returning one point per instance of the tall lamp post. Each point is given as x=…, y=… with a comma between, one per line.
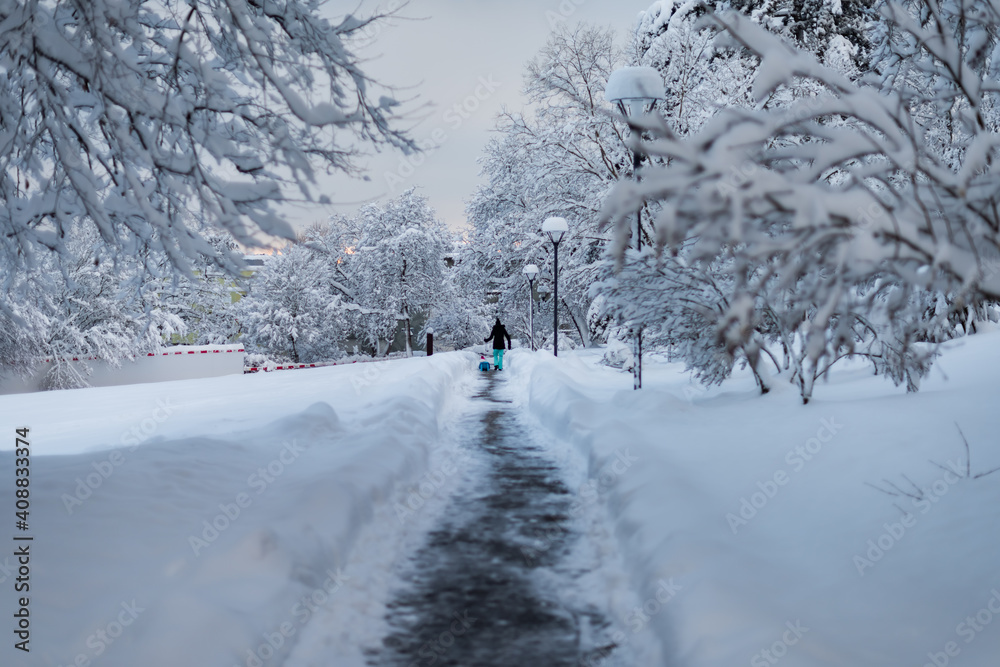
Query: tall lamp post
x=635, y=90
x=531, y=271
x=556, y=228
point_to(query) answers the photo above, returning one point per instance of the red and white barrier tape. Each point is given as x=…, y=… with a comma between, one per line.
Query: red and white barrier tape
x=252, y=369
x=287, y=367
x=155, y=354
x=167, y=354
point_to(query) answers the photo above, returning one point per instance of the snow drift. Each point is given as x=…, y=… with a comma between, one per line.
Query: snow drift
x=215, y=539
x=763, y=511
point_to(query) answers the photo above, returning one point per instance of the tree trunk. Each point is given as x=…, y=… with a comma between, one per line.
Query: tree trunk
x=581, y=329
x=409, y=334
x=406, y=312
x=754, y=356
x=807, y=380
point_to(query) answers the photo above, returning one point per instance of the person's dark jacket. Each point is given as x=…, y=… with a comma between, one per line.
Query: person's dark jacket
x=497, y=336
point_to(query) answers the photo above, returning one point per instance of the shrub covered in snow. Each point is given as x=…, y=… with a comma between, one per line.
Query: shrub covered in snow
x=843, y=216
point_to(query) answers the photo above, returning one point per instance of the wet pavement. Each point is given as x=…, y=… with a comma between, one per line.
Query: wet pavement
x=491, y=584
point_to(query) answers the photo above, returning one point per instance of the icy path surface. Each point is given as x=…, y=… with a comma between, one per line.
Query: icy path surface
x=507, y=577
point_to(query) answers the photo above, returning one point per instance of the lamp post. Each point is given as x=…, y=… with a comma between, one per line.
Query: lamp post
x=531, y=271
x=556, y=228
x=635, y=90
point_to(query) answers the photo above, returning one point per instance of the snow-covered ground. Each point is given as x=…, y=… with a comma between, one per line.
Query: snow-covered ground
x=208, y=521
x=212, y=522
x=760, y=510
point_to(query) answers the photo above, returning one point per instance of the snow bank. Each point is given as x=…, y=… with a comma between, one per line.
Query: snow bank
x=759, y=508
x=214, y=539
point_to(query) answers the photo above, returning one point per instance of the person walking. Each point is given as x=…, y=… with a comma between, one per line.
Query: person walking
x=497, y=335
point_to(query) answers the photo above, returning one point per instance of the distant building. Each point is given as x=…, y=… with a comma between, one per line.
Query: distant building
x=253, y=263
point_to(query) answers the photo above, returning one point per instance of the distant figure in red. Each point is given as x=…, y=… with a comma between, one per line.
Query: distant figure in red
x=498, y=335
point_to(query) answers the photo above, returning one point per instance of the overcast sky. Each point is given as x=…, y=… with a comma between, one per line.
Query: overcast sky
x=469, y=53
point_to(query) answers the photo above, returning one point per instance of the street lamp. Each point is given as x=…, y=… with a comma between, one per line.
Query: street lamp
x=556, y=228
x=635, y=91
x=531, y=272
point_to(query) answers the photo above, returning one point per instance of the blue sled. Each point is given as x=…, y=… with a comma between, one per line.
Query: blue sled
x=484, y=365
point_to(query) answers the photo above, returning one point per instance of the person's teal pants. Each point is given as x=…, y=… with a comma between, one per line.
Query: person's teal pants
x=498, y=359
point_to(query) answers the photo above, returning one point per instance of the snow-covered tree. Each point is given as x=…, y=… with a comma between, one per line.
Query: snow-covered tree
x=703, y=76
x=838, y=212
x=150, y=127
x=290, y=311
x=397, y=265
x=22, y=327
x=830, y=29
x=94, y=306
x=150, y=121
x=461, y=316
x=560, y=160
x=700, y=77
x=386, y=264
x=204, y=301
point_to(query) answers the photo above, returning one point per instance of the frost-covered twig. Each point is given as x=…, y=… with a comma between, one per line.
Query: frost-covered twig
x=880, y=489
x=968, y=452
x=919, y=495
